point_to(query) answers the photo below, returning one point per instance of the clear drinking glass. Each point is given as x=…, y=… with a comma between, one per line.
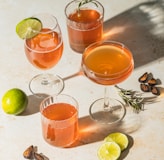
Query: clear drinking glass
x=107, y=63
x=84, y=24
x=59, y=119
x=44, y=51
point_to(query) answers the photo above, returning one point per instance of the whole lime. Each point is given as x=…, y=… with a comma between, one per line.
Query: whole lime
x=14, y=101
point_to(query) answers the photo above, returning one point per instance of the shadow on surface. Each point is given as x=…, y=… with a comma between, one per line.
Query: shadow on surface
x=92, y=131
x=33, y=104
x=125, y=152
x=141, y=29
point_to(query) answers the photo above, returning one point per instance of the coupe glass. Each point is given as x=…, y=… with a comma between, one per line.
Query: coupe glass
x=44, y=51
x=107, y=63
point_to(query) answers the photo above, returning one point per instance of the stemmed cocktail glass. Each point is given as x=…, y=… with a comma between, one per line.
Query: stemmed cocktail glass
x=44, y=51
x=107, y=63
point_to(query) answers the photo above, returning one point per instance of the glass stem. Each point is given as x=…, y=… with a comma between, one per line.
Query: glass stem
x=45, y=80
x=106, y=99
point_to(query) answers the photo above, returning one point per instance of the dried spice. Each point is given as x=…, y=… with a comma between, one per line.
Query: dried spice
x=148, y=83
x=155, y=90
x=144, y=87
x=144, y=78
x=38, y=156
x=29, y=152
x=152, y=81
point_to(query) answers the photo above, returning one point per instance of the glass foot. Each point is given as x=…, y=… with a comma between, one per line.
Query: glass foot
x=107, y=115
x=46, y=84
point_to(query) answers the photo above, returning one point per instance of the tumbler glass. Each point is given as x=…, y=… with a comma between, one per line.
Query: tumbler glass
x=59, y=119
x=84, y=23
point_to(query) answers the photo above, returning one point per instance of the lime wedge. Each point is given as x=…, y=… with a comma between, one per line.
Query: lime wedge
x=28, y=28
x=109, y=151
x=120, y=138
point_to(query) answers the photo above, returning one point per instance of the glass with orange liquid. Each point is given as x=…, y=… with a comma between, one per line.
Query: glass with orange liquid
x=59, y=119
x=84, y=24
x=107, y=63
x=44, y=51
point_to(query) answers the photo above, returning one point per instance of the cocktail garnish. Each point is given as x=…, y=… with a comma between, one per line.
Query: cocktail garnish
x=28, y=28
x=82, y=2
x=132, y=98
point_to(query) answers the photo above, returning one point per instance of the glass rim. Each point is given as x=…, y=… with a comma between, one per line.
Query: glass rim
x=66, y=95
x=67, y=15
x=109, y=76
x=55, y=21
x=46, y=32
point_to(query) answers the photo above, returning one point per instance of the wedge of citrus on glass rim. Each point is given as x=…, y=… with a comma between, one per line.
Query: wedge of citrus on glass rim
x=28, y=28
x=120, y=138
x=109, y=151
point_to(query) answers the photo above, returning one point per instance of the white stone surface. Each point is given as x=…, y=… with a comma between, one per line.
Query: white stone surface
x=18, y=132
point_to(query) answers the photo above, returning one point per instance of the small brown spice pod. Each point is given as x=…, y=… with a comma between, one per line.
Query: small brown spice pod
x=144, y=78
x=148, y=83
x=38, y=156
x=155, y=90
x=29, y=152
x=145, y=87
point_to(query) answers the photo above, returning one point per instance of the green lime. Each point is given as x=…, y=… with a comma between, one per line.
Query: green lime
x=28, y=28
x=109, y=151
x=120, y=138
x=14, y=101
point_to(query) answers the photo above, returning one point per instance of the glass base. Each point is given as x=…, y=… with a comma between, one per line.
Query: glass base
x=46, y=84
x=110, y=114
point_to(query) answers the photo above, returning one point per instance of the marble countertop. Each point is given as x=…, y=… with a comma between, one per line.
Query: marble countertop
x=136, y=23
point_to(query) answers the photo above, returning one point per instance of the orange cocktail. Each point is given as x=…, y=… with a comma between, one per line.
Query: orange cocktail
x=59, y=121
x=45, y=49
x=107, y=63
x=85, y=25
x=110, y=64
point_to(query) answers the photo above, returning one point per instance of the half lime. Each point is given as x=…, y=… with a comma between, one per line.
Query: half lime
x=120, y=138
x=28, y=28
x=109, y=151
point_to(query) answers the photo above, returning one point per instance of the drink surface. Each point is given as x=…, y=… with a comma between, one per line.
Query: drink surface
x=110, y=64
x=59, y=111
x=45, y=49
x=60, y=124
x=84, y=28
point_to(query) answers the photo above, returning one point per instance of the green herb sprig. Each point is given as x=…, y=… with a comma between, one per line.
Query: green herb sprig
x=82, y=2
x=132, y=98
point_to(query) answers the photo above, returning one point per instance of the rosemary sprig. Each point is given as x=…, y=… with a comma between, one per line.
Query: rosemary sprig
x=82, y=2
x=132, y=98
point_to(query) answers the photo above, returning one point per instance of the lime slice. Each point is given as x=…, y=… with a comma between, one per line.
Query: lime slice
x=120, y=138
x=109, y=151
x=28, y=28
